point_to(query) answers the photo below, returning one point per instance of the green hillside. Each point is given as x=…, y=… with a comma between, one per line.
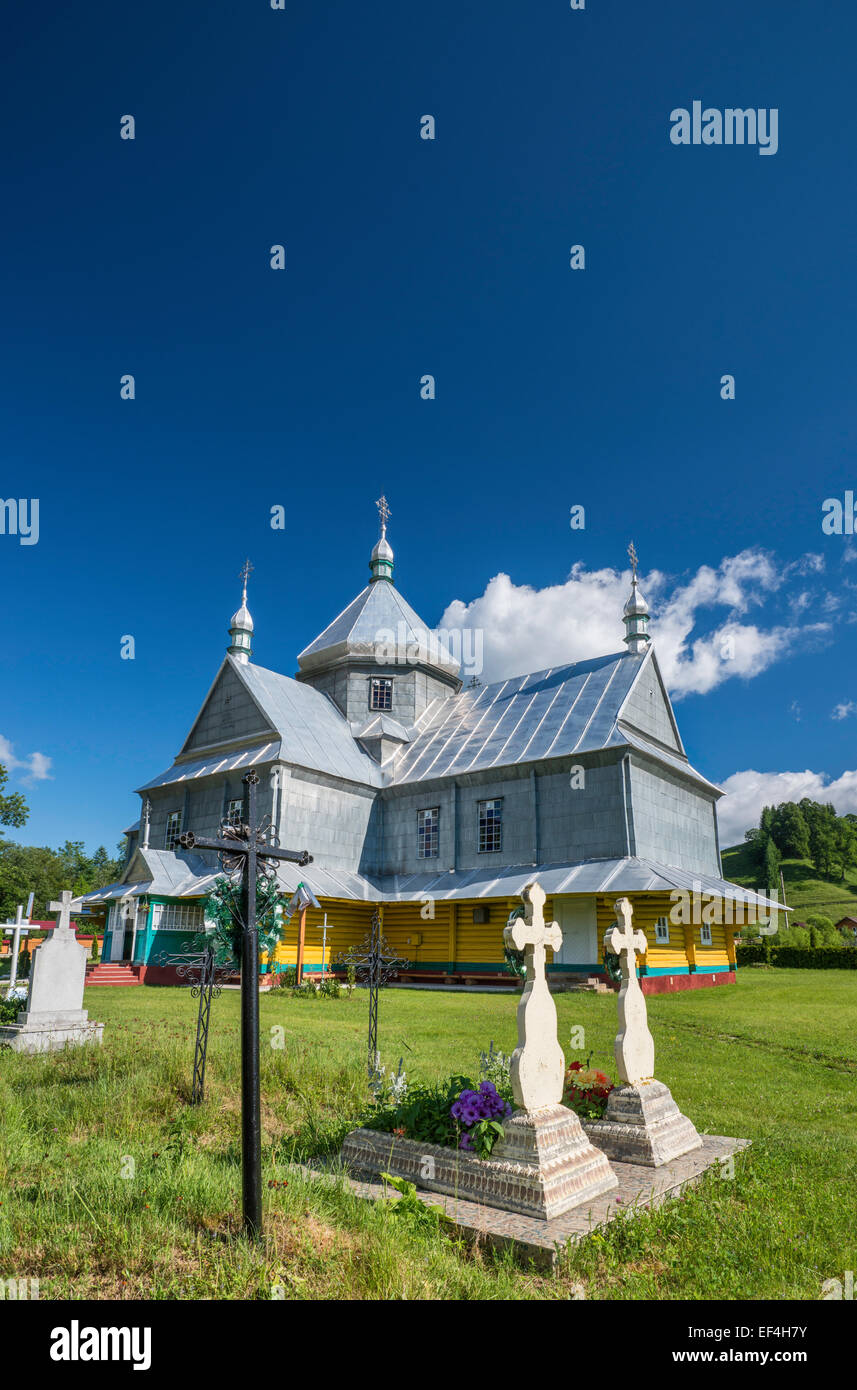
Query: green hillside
x=806, y=890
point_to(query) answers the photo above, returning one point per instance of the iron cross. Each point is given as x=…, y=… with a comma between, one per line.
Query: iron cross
x=250, y=848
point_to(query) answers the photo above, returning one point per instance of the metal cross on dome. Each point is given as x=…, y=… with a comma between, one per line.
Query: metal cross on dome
x=384, y=513
x=249, y=848
x=244, y=574
x=632, y=556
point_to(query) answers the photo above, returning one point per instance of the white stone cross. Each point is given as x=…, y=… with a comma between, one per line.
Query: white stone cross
x=19, y=926
x=538, y=1064
x=63, y=907
x=634, y=1048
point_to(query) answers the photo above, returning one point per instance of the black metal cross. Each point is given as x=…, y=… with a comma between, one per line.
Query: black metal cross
x=250, y=848
x=374, y=965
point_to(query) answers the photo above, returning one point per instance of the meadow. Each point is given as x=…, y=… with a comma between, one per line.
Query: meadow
x=112, y=1186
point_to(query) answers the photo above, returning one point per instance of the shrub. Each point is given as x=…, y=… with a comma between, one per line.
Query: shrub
x=800, y=958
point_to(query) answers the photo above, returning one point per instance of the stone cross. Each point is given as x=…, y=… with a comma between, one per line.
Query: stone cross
x=634, y=1048
x=538, y=1063
x=63, y=907
x=18, y=924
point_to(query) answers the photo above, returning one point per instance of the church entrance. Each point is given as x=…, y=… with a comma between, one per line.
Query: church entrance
x=577, y=921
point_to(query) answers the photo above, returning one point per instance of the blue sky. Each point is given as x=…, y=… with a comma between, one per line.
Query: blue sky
x=403, y=257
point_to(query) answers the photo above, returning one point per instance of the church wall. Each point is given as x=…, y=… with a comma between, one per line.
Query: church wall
x=673, y=823
x=646, y=709
x=413, y=690
x=582, y=822
x=331, y=821
x=229, y=713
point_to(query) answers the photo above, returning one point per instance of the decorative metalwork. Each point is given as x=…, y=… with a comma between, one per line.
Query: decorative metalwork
x=205, y=978
x=246, y=849
x=374, y=965
x=632, y=556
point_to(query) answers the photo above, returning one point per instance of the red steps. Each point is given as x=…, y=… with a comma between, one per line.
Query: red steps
x=110, y=972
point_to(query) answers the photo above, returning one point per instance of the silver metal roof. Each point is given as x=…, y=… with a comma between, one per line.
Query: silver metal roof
x=378, y=610
x=218, y=762
x=187, y=876
x=549, y=714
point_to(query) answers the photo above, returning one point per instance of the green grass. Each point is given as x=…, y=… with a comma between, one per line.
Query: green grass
x=773, y=1059
x=806, y=890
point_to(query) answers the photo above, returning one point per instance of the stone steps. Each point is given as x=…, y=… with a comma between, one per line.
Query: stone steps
x=112, y=973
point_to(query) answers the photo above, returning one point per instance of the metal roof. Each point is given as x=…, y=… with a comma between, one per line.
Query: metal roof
x=217, y=762
x=378, y=610
x=549, y=714
x=188, y=876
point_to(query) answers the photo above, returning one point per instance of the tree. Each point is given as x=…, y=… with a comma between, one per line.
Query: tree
x=790, y=831
x=771, y=865
x=13, y=808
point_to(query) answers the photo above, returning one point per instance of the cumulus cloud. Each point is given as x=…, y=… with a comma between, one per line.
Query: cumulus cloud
x=529, y=629
x=748, y=792
x=35, y=767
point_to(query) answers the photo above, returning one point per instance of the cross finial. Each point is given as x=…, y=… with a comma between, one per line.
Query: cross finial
x=532, y=930
x=384, y=513
x=63, y=907
x=623, y=940
x=632, y=556
x=244, y=575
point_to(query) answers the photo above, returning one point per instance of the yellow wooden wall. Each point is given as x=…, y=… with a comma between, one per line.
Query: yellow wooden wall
x=451, y=938
x=685, y=944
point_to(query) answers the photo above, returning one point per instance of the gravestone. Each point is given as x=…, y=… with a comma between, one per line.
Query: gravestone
x=642, y=1123
x=545, y=1163
x=53, y=1017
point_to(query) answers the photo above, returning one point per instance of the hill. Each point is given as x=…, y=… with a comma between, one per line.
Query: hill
x=806, y=890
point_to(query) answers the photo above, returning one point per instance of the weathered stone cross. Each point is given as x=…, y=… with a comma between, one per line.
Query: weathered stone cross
x=538, y=1064
x=634, y=1048
x=63, y=907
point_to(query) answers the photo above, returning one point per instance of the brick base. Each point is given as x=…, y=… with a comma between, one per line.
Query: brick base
x=545, y=1166
x=670, y=984
x=642, y=1124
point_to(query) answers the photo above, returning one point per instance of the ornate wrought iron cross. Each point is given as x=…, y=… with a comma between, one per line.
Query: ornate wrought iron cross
x=374, y=965
x=204, y=977
x=249, y=848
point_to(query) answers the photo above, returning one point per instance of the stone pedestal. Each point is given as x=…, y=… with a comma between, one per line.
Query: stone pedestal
x=53, y=1017
x=49, y=1032
x=545, y=1166
x=642, y=1124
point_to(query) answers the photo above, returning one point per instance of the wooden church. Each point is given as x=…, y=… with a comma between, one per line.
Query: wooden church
x=436, y=804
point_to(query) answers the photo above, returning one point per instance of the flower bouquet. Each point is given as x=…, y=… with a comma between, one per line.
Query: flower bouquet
x=586, y=1090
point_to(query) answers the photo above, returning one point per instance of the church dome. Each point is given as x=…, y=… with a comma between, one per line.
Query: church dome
x=636, y=604
x=241, y=620
x=382, y=551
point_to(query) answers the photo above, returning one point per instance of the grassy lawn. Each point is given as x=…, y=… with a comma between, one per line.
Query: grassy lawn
x=112, y=1186
x=807, y=891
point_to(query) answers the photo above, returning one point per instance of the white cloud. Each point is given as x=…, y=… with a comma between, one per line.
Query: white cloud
x=842, y=710
x=748, y=792
x=36, y=767
x=528, y=629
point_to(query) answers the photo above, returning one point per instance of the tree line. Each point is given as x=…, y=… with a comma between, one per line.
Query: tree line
x=803, y=830
x=44, y=871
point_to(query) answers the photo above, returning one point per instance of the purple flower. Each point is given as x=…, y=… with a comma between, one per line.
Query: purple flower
x=466, y=1142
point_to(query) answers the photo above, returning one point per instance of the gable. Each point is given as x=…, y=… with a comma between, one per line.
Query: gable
x=648, y=711
x=229, y=713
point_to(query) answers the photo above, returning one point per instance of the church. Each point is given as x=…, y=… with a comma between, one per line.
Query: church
x=436, y=803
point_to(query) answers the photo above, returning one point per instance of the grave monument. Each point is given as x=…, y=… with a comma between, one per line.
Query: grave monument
x=642, y=1123
x=53, y=1017
x=545, y=1164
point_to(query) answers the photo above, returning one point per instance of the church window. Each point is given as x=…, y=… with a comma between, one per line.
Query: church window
x=381, y=693
x=178, y=917
x=234, y=809
x=491, y=825
x=427, y=833
x=705, y=934
x=662, y=931
x=174, y=829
